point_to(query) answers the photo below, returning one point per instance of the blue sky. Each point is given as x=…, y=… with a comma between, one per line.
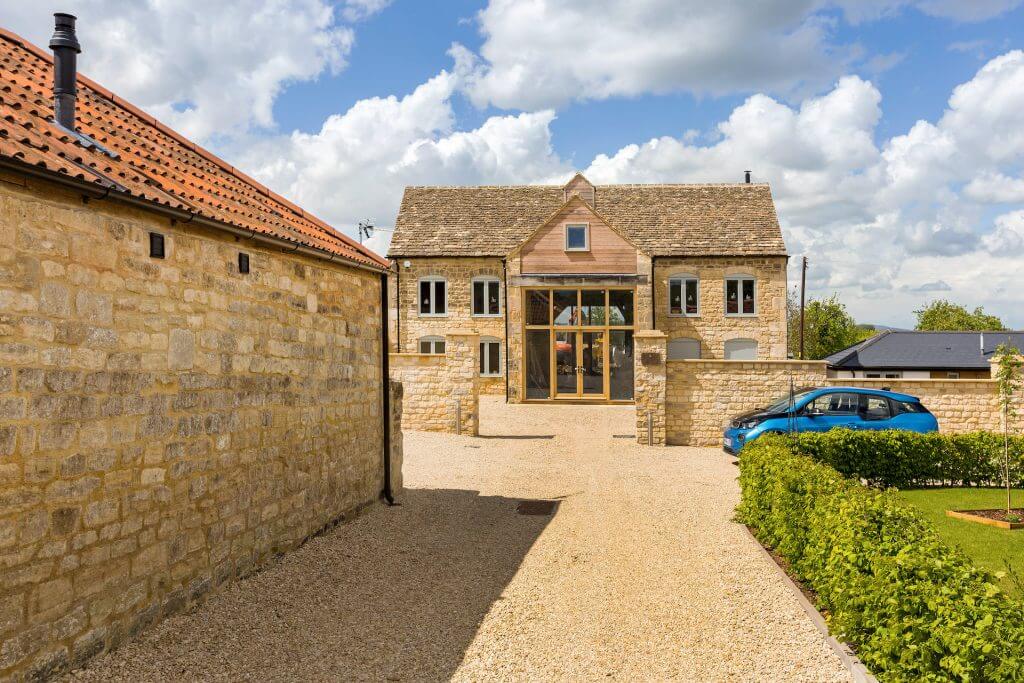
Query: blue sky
x=891, y=131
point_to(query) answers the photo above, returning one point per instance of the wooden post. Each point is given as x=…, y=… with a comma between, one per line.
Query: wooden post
x=803, y=288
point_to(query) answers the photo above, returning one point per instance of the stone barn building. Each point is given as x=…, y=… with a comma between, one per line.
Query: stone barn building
x=192, y=368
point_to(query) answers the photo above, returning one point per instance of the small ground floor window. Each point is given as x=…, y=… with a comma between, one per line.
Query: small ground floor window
x=432, y=345
x=490, y=357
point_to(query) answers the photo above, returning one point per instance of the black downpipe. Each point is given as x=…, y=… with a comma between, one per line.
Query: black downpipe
x=65, y=48
x=385, y=387
x=654, y=304
x=504, y=277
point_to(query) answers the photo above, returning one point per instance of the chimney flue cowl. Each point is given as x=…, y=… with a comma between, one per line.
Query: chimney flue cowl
x=64, y=44
x=746, y=177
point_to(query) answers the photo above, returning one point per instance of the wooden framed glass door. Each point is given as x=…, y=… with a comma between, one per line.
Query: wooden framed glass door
x=576, y=343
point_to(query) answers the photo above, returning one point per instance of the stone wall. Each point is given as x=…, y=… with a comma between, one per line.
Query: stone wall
x=703, y=395
x=438, y=388
x=165, y=425
x=650, y=387
x=712, y=327
x=960, y=405
x=459, y=273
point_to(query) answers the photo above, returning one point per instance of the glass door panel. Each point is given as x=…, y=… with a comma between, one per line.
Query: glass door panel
x=565, y=364
x=620, y=307
x=592, y=363
x=538, y=364
x=620, y=365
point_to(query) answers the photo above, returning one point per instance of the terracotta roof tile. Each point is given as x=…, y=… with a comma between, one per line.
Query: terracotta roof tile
x=663, y=220
x=154, y=163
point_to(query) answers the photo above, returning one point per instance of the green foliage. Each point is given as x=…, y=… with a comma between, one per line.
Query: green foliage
x=914, y=608
x=942, y=315
x=828, y=327
x=900, y=459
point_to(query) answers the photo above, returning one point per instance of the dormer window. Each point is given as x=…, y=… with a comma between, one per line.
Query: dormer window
x=577, y=237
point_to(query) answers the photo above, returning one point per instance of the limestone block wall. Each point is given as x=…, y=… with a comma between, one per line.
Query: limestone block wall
x=650, y=387
x=165, y=425
x=433, y=384
x=960, y=405
x=703, y=394
x=712, y=327
x=459, y=273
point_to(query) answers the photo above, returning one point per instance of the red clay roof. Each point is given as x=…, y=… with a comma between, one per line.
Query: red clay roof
x=156, y=164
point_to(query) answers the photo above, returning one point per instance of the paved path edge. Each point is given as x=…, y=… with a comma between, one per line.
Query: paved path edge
x=856, y=667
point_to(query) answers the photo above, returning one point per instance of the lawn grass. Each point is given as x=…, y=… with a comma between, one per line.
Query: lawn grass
x=989, y=547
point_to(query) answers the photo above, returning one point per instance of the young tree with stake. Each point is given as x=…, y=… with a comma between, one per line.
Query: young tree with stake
x=1008, y=382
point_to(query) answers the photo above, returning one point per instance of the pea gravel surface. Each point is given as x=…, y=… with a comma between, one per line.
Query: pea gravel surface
x=639, y=573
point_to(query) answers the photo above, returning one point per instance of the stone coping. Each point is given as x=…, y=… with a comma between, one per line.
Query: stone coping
x=850, y=381
x=649, y=334
x=765, y=361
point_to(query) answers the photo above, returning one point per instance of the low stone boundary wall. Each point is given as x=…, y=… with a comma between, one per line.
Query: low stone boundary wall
x=703, y=394
x=960, y=405
x=687, y=402
x=441, y=392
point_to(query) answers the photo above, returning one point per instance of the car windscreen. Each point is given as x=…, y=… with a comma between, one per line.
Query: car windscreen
x=783, y=402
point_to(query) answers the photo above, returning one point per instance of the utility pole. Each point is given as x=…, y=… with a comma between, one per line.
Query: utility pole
x=803, y=289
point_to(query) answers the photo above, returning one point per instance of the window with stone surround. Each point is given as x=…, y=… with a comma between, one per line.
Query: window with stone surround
x=432, y=345
x=486, y=296
x=433, y=296
x=684, y=295
x=740, y=295
x=490, y=357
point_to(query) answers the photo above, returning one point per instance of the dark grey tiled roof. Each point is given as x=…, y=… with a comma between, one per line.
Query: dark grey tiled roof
x=924, y=350
x=663, y=220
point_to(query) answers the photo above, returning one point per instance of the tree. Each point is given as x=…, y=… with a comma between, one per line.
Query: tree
x=946, y=316
x=828, y=327
x=1008, y=382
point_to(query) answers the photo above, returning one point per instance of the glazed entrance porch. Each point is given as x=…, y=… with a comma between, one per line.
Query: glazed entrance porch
x=579, y=344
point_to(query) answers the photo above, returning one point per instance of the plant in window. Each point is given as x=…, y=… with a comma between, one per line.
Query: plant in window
x=1008, y=383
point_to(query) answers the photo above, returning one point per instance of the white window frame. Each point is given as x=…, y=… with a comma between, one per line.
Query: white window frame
x=433, y=303
x=488, y=280
x=738, y=278
x=952, y=375
x=682, y=279
x=757, y=348
x=490, y=372
x=586, y=236
x=433, y=340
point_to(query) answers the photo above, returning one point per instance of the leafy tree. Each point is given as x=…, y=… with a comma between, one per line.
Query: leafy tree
x=828, y=327
x=1008, y=383
x=946, y=316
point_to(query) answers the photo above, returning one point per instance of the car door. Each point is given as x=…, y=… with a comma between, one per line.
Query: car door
x=875, y=412
x=829, y=411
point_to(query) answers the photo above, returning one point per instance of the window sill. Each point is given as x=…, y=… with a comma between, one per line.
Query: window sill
x=577, y=251
x=485, y=315
x=741, y=315
x=490, y=376
x=684, y=315
x=433, y=315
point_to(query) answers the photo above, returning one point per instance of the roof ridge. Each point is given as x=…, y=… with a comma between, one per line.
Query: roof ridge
x=528, y=186
x=151, y=120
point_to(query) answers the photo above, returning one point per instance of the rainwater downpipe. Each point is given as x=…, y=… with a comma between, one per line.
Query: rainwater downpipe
x=504, y=277
x=654, y=304
x=385, y=387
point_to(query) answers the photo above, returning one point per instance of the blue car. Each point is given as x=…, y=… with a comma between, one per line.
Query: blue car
x=819, y=410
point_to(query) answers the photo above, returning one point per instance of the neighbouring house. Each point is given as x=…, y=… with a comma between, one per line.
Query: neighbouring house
x=897, y=354
x=557, y=280
x=193, y=375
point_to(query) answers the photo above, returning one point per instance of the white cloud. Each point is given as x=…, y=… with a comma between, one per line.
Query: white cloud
x=208, y=69
x=1008, y=238
x=357, y=165
x=995, y=188
x=540, y=53
x=357, y=10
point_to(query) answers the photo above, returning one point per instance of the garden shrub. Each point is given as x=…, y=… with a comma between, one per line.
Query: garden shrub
x=902, y=459
x=914, y=608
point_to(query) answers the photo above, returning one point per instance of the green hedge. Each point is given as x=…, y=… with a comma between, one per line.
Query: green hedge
x=914, y=608
x=911, y=460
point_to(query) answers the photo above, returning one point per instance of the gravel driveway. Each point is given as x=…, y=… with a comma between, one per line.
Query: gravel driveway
x=639, y=574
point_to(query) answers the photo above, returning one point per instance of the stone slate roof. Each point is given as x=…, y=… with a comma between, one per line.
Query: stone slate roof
x=664, y=220
x=924, y=350
x=153, y=163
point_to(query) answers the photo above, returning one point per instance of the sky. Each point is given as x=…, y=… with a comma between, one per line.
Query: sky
x=891, y=131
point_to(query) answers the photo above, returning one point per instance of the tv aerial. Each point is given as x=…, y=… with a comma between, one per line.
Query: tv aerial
x=365, y=230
